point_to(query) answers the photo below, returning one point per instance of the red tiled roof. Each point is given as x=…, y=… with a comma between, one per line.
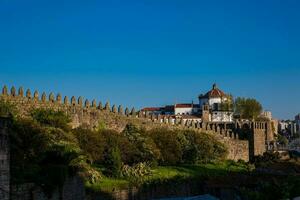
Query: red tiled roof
x=184, y=105
x=151, y=109
x=215, y=92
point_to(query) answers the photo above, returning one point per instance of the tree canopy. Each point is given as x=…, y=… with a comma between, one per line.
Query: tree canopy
x=45, y=150
x=247, y=108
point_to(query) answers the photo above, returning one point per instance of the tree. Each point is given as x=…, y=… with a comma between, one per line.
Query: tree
x=202, y=147
x=247, y=108
x=168, y=144
x=281, y=139
x=27, y=144
x=114, y=162
x=227, y=105
x=91, y=142
x=144, y=148
x=113, y=139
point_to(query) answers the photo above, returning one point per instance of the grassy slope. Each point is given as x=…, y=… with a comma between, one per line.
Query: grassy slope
x=168, y=172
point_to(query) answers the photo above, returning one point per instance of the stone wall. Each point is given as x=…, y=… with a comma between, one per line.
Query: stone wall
x=4, y=160
x=73, y=189
x=257, y=139
x=239, y=149
x=82, y=112
x=86, y=114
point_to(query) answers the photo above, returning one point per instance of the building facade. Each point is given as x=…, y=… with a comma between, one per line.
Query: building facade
x=213, y=106
x=297, y=122
x=266, y=114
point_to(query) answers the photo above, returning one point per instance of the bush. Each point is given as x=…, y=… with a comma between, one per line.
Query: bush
x=6, y=109
x=113, y=162
x=115, y=139
x=144, y=148
x=92, y=143
x=136, y=173
x=281, y=139
x=27, y=145
x=52, y=118
x=202, y=147
x=85, y=171
x=168, y=144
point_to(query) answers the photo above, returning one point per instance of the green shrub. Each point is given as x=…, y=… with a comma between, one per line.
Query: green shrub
x=136, y=173
x=52, y=118
x=7, y=109
x=92, y=143
x=27, y=145
x=85, y=171
x=113, y=162
x=202, y=147
x=168, y=144
x=144, y=148
x=101, y=126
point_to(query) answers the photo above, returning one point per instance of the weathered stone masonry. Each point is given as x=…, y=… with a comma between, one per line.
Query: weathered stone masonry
x=244, y=139
x=4, y=160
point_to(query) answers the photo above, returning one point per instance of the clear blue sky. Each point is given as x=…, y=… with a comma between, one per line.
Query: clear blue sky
x=154, y=52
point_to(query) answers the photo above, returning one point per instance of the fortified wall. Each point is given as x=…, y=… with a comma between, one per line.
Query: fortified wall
x=244, y=139
x=4, y=160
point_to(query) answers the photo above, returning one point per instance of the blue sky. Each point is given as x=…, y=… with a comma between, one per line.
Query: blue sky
x=154, y=52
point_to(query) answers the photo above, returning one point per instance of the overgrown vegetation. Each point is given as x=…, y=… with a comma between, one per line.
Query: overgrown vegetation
x=6, y=109
x=45, y=151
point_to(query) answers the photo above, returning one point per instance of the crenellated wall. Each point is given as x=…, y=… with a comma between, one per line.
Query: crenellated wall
x=80, y=110
x=258, y=139
x=244, y=139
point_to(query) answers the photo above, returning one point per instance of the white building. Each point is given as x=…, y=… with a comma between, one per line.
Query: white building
x=266, y=114
x=297, y=122
x=283, y=126
x=217, y=105
x=186, y=109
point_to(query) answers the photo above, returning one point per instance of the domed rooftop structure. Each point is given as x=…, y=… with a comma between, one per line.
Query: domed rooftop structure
x=215, y=92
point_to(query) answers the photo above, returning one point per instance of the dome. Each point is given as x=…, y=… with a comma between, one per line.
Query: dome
x=215, y=92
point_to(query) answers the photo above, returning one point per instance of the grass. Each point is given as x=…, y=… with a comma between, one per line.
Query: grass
x=108, y=184
x=163, y=173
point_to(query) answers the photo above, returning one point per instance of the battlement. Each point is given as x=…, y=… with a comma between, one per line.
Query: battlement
x=59, y=102
x=51, y=98
x=80, y=103
x=89, y=113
